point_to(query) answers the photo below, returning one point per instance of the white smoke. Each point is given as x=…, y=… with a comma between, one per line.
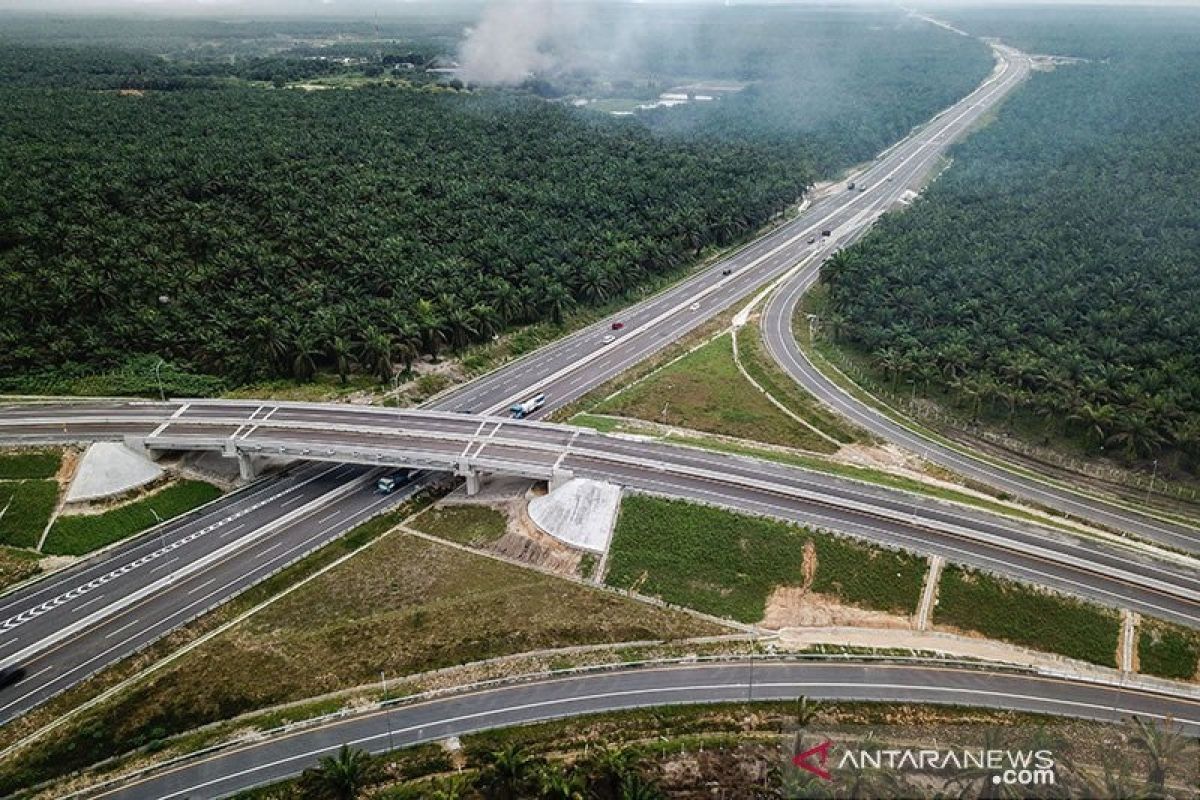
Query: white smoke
x=518, y=38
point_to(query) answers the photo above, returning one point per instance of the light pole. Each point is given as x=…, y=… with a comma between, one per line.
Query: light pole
x=162, y=396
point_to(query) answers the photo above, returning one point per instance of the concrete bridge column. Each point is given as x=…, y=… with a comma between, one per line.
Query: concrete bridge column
x=474, y=483
x=560, y=477
x=247, y=469
x=138, y=445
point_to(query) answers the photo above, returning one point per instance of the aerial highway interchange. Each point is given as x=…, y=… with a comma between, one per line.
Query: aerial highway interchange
x=75, y=622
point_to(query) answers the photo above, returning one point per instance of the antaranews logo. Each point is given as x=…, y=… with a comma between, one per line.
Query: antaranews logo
x=1010, y=767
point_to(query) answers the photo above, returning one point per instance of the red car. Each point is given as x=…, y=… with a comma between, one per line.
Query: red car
x=616, y=326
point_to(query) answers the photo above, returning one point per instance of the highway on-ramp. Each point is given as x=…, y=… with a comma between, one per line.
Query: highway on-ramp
x=275, y=758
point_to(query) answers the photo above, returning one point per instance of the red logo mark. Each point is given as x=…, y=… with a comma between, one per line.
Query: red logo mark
x=821, y=752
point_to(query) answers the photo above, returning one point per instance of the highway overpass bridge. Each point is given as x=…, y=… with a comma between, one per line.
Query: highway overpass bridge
x=1107, y=571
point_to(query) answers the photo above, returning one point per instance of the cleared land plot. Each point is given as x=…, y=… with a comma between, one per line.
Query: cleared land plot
x=470, y=525
x=18, y=465
x=1168, y=651
x=402, y=606
x=728, y=564
x=16, y=566
x=704, y=391
x=25, y=508
x=80, y=534
x=1027, y=616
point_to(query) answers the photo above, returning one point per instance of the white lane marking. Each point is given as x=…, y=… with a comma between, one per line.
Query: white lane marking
x=232, y=531
x=201, y=586
x=163, y=565
x=730, y=686
x=328, y=517
x=86, y=588
x=127, y=625
x=178, y=412
x=182, y=613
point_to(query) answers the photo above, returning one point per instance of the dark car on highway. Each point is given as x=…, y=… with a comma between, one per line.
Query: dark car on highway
x=11, y=675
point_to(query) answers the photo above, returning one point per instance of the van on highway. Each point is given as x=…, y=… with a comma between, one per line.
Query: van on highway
x=390, y=483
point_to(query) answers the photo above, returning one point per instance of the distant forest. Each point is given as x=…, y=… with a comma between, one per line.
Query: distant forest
x=1052, y=274
x=243, y=232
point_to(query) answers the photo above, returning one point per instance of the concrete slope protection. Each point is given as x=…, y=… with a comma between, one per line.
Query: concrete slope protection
x=64, y=628
x=1110, y=572
x=276, y=758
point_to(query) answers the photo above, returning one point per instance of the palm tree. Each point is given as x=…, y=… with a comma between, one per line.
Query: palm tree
x=341, y=351
x=556, y=783
x=510, y=776
x=430, y=325
x=635, y=787
x=377, y=353
x=341, y=777
x=1162, y=745
x=607, y=770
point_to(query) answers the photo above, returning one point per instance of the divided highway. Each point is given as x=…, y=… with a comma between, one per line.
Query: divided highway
x=1111, y=573
x=276, y=758
x=66, y=627
x=141, y=607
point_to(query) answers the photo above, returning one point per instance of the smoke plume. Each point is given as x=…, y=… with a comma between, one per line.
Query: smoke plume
x=518, y=38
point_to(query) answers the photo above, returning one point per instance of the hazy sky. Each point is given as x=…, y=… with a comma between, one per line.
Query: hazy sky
x=401, y=7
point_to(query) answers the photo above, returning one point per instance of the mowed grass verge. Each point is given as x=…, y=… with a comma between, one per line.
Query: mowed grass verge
x=25, y=508
x=402, y=606
x=1024, y=615
x=16, y=566
x=469, y=525
x=704, y=391
x=1168, y=650
x=83, y=533
x=24, y=464
x=727, y=564
x=763, y=369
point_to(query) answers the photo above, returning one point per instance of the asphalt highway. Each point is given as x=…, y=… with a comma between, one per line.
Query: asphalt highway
x=68, y=626
x=275, y=758
x=564, y=370
x=1109, y=571
x=574, y=365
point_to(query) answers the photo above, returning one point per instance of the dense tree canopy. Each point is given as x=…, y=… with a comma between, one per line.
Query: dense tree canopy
x=245, y=232
x=1055, y=268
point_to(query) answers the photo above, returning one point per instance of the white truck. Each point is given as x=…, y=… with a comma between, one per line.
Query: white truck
x=522, y=410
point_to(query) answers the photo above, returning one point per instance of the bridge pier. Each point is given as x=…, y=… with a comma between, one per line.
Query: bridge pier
x=474, y=483
x=138, y=445
x=247, y=469
x=560, y=477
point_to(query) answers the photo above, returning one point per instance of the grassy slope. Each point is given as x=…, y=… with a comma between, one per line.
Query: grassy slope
x=403, y=606
x=472, y=525
x=1168, y=651
x=705, y=391
x=767, y=373
x=76, y=535
x=27, y=506
x=16, y=566
x=727, y=564
x=16, y=465
x=1021, y=614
